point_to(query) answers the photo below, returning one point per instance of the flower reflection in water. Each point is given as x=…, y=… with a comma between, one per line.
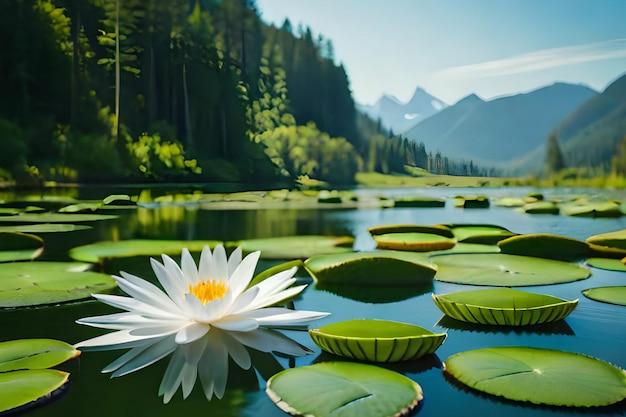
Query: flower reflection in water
x=205, y=359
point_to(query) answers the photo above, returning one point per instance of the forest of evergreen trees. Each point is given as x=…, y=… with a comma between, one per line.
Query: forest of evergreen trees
x=195, y=90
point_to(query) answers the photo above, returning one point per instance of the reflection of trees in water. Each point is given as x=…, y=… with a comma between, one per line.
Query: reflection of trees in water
x=181, y=222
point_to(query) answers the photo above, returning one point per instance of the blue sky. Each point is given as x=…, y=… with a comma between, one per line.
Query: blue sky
x=456, y=47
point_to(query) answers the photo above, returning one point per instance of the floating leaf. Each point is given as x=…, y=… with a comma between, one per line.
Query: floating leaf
x=101, y=251
x=119, y=200
x=8, y=211
x=44, y=228
x=411, y=228
x=422, y=242
x=377, y=340
x=54, y=218
x=262, y=276
x=600, y=209
x=539, y=376
x=615, y=239
x=36, y=283
x=371, y=268
x=545, y=245
x=485, y=234
x=467, y=248
x=21, y=388
x=608, y=264
x=541, y=207
x=611, y=295
x=502, y=270
x=479, y=201
x=343, y=389
x=296, y=247
x=503, y=307
x=419, y=202
x=510, y=202
x=34, y=354
x=19, y=246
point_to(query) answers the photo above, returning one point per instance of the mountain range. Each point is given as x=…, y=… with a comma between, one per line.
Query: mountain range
x=399, y=116
x=502, y=130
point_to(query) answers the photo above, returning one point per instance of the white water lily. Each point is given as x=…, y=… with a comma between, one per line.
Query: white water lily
x=213, y=294
x=206, y=359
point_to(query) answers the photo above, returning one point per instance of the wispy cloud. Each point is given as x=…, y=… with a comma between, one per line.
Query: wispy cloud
x=540, y=60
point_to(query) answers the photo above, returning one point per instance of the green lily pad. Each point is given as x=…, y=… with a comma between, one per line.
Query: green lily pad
x=410, y=228
x=611, y=295
x=541, y=207
x=467, y=248
x=19, y=246
x=615, y=239
x=119, y=200
x=501, y=270
x=503, y=307
x=23, y=388
x=539, y=376
x=101, y=251
x=116, y=202
x=34, y=354
x=484, y=234
x=419, y=242
x=510, y=202
x=8, y=211
x=262, y=276
x=54, y=218
x=545, y=245
x=371, y=268
x=296, y=247
x=606, y=263
x=25, y=284
x=479, y=201
x=343, y=389
x=44, y=228
x=377, y=340
x=419, y=202
x=601, y=209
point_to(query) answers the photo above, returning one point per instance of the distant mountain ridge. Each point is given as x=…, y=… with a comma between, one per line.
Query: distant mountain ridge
x=399, y=116
x=590, y=133
x=500, y=130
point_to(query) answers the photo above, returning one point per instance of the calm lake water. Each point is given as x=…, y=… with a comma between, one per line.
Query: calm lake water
x=594, y=328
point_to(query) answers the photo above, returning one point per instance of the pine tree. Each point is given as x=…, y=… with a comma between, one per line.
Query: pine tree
x=554, y=157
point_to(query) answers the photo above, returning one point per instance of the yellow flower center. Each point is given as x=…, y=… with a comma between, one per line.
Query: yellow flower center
x=207, y=291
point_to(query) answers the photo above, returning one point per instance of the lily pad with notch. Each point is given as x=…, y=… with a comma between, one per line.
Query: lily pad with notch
x=24, y=378
x=25, y=284
x=539, y=376
x=377, y=340
x=502, y=270
x=343, y=389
